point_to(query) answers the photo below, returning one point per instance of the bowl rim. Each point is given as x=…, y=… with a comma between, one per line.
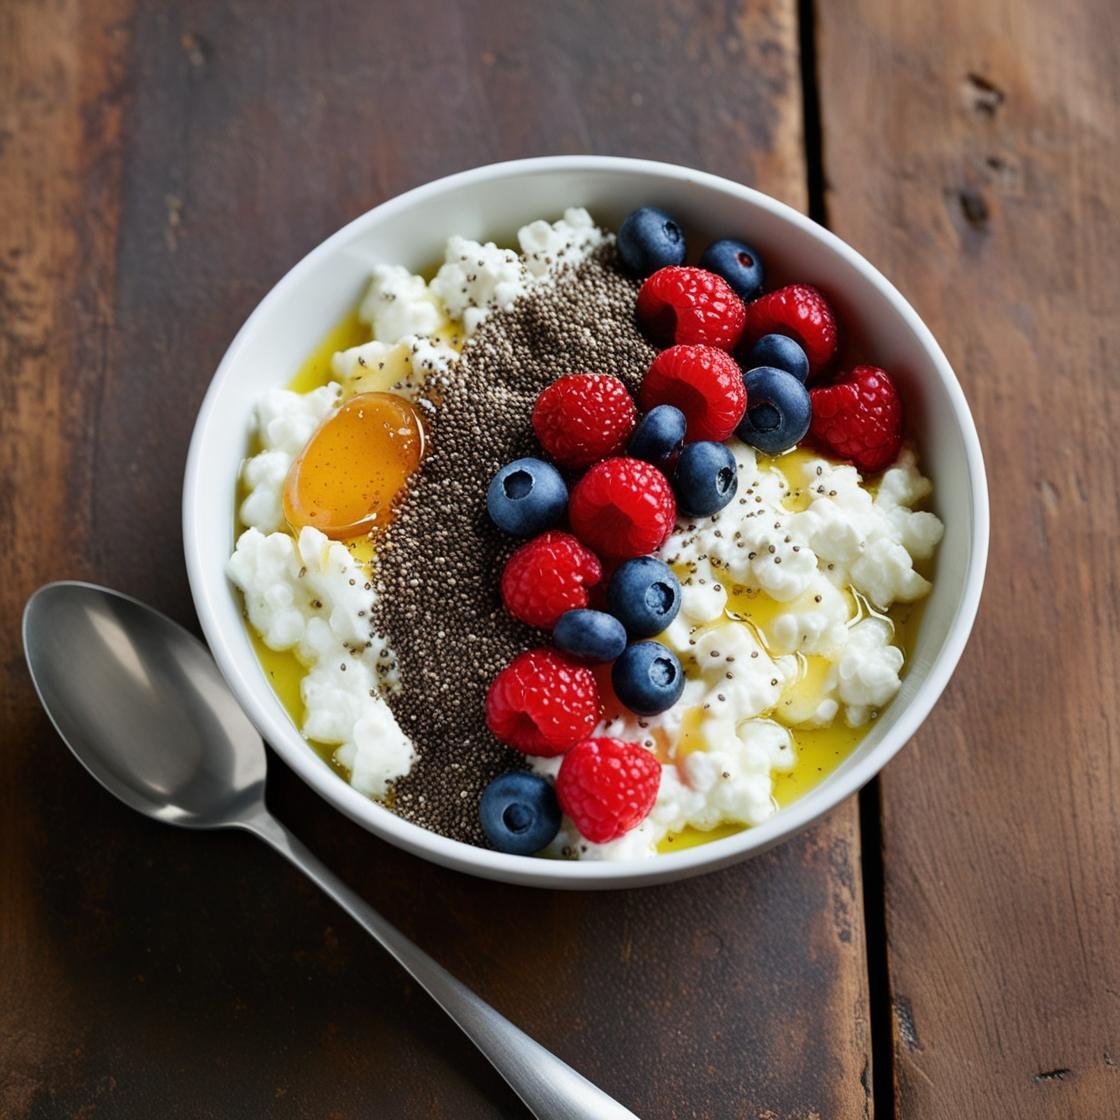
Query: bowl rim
x=530, y=870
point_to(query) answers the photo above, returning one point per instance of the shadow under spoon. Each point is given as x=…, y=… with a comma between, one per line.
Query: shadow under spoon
x=141, y=704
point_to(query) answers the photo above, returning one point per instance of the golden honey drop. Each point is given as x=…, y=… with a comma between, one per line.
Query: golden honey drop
x=346, y=480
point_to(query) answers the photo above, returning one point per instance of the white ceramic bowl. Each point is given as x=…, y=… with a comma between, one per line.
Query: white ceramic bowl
x=491, y=203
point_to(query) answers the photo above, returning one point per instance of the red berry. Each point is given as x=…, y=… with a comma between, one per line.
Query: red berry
x=706, y=384
x=547, y=576
x=584, y=417
x=690, y=305
x=800, y=311
x=859, y=418
x=622, y=508
x=607, y=787
x=542, y=703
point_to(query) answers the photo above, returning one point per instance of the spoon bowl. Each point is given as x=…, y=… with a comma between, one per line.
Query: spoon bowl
x=122, y=685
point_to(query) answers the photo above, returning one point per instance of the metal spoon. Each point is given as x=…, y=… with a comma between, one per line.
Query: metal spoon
x=144, y=709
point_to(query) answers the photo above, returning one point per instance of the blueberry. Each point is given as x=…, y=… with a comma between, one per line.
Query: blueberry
x=526, y=496
x=659, y=434
x=778, y=410
x=781, y=352
x=650, y=239
x=737, y=263
x=648, y=678
x=589, y=635
x=706, y=478
x=644, y=596
x=519, y=813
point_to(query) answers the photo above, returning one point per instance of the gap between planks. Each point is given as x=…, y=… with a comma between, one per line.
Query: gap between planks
x=870, y=797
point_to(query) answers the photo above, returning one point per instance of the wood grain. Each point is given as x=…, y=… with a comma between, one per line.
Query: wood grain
x=59, y=195
x=970, y=151
x=163, y=165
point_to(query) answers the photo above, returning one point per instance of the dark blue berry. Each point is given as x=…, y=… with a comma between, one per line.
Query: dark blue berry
x=650, y=239
x=659, y=434
x=519, y=813
x=589, y=635
x=648, y=678
x=644, y=596
x=526, y=496
x=780, y=352
x=778, y=410
x=737, y=263
x=706, y=478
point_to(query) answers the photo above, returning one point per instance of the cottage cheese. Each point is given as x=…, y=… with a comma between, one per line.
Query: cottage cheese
x=773, y=635
x=312, y=597
x=398, y=304
x=547, y=247
x=392, y=367
x=477, y=279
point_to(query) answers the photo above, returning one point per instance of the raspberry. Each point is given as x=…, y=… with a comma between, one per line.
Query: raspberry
x=607, y=786
x=859, y=418
x=547, y=576
x=800, y=311
x=622, y=508
x=706, y=384
x=690, y=305
x=542, y=703
x=584, y=417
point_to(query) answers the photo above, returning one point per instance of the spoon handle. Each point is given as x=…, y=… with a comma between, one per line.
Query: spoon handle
x=550, y=1088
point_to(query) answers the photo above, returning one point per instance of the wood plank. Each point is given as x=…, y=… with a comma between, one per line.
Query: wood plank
x=59, y=194
x=970, y=151
x=170, y=163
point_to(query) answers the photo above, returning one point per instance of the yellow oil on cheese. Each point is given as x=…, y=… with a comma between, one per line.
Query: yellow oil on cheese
x=285, y=674
x=790, y=465
x=693, y=837
x=818, y=750
x=316, y=368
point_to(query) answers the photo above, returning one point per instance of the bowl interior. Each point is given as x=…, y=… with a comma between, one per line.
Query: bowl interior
x=490, y=204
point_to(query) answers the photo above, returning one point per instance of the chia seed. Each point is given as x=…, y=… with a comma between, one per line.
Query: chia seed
x=438, y=563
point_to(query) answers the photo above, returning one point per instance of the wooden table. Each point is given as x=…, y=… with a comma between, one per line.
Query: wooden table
x=947, y=946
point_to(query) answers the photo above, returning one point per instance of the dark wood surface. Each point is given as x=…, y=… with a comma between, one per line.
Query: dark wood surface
x=972, y=160
x=161, y=165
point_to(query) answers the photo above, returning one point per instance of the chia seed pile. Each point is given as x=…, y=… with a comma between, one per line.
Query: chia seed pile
x=439, y=563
